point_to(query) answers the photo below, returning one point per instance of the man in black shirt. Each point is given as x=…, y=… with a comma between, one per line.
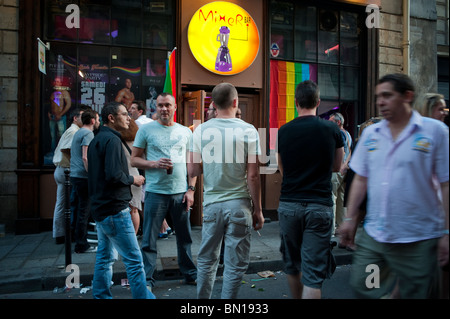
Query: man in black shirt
x=309, y=149
x=109, y=190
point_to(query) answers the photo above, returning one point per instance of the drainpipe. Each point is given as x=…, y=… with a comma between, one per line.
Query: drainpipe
x=406, y=37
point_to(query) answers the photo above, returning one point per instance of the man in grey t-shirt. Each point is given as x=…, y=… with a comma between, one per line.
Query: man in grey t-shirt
x=225, y=150
x=79, y=179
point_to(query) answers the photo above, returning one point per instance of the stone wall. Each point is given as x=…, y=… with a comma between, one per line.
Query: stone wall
x=423, y=46
x=9, y=26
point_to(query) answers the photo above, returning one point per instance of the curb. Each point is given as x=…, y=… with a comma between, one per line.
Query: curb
x=51, y=279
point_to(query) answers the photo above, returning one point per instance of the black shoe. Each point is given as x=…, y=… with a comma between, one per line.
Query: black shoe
x=89, y=249
x=60, y=240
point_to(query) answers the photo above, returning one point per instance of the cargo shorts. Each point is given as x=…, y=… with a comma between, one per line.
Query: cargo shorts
x=305, y=230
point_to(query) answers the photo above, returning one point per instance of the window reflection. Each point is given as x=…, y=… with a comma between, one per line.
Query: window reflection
x=55, y=26
x=305, y=33
x=328, y=81
x=93, y=72
x=125, y=75
x=281, y=40
x=349, y=83
x=328, y=36
x=350, y=31
x=328, y=50
x=154, y=71
x=58, y=97
x=158, y=24
x=128, y=16
x=95, y=23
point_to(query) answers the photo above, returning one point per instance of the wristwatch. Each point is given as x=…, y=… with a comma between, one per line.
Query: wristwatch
x=192, y=188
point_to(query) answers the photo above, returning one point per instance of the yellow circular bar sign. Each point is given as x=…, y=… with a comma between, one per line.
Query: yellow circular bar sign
x=223, y=38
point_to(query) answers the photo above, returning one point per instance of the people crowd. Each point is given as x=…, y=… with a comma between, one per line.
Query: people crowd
x=384, y=194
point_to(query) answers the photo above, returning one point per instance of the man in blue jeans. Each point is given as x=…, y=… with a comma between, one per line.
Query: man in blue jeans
x=110, y=194
x=168, y=188
x=309, y=149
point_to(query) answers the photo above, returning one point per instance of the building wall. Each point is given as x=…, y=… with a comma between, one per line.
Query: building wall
x=428, y=17
x=423, y=48
x=9, y=26
x=442, y=34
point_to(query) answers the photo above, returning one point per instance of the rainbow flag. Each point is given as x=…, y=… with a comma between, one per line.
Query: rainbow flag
x=170, y=83
x=284, y=78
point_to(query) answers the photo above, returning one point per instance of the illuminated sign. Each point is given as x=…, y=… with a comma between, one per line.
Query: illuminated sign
x=223, y=38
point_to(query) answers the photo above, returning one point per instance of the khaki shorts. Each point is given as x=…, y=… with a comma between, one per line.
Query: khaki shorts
x=377, y=267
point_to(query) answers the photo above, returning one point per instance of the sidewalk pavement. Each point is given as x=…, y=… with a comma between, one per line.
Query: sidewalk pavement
x=35, y=263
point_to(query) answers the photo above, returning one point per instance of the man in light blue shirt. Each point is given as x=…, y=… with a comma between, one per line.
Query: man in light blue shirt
x=168, y=188
x=406, y=228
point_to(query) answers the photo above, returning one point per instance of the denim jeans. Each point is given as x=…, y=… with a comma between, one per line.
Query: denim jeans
x=81, y=196
x=229, y=221
x=155, y=210
x=60, y=204
x=117, y=232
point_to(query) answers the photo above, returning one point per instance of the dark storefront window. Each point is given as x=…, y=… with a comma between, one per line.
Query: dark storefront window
x=327, y=37
x=118, y=44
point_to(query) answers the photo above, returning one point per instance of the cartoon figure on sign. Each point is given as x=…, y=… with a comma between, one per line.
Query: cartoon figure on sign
x=223, y=61
x=274, y=50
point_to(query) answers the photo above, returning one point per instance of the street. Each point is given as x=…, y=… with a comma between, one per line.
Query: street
x=253, y=287
x=258, y=297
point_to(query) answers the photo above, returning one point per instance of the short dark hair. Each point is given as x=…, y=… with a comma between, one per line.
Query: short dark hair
x=110, y=108
x=165, y=94
x=76, y=111
x=223, y=95
x=87, y=116
x=401, y=82
x=307, y=94
x=140, y=106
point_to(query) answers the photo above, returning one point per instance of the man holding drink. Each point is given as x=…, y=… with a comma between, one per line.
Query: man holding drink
x=167, y=190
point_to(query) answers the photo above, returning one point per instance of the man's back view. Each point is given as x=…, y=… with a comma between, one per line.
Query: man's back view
x=309, y=149
x=225, y=148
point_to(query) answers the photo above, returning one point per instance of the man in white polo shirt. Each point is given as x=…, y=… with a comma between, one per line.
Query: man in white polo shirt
x=405, y=235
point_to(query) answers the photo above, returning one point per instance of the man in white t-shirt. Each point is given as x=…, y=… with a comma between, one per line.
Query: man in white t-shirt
x=61, y=159
x=225, y=150
x=168, y=188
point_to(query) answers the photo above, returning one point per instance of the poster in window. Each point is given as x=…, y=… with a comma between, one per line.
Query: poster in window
x=125, y=76
x=154, y=73
x=93, y=72
x=59, y=98
x=93, y=85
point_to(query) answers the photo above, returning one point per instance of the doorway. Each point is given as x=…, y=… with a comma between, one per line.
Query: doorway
x=193, y=111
